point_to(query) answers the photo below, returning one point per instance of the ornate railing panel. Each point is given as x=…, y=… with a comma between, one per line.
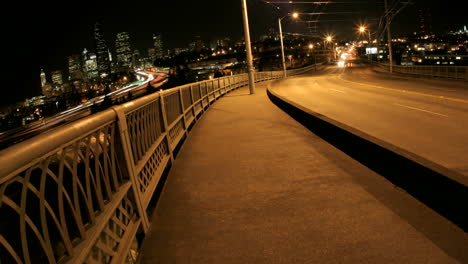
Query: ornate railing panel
x=145, y=126
x=52, y=203
x=186, y=97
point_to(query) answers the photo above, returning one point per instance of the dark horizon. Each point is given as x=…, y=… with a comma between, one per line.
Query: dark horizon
x=44, y=34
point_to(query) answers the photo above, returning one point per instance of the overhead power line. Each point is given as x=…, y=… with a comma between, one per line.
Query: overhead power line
x=327, y=13
x=317, y=3
x=291, y=2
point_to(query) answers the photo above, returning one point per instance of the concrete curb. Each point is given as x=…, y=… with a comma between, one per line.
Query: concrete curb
x=442, y=189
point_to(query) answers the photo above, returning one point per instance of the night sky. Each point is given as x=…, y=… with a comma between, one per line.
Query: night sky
x=41, y=35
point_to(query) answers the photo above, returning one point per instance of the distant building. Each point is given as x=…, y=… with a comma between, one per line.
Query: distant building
x=461, y=32
x=112, y=62
x=75, y=67
x=34, y=101
x=226, y=42
x=84, y=57
x=45, y=86
x=191, y=46
x=425, y=21
x=459, y=60
x=199, y=44
x=219, y=43
x=158, y=46
x=43, y=78
x=178, y=51
x=47, y=89
x=91, y=66
x=123, y=49
x=57, y=78
x=151, y=54
x=136, y=59
x=213, y=45
x=102, y=51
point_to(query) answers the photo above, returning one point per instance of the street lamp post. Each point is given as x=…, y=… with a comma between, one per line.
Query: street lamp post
x=282, y=47
x=363, y=29
x=248, y=48
x=315, y=56
x=283, y=59
x=329, y=39
x=389, y=37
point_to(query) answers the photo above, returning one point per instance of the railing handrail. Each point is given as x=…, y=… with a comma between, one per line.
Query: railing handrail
x=19, y=155
x=419, y=66
x=440, y=71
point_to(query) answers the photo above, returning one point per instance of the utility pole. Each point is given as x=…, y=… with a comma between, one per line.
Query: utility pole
x=248, y=48
x=370, y=48
x=389, y=36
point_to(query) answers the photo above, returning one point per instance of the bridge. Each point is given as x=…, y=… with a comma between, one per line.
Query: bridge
x=306, y=170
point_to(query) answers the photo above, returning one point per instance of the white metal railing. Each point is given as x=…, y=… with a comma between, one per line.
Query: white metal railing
x=450, y=72
x=80, y=193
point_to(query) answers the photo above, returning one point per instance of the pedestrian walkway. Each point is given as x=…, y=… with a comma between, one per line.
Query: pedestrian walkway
x=251, y=185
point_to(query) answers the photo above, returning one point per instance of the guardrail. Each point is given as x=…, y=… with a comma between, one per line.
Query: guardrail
x=315, y=67
x=80, y=193
x=450, y=72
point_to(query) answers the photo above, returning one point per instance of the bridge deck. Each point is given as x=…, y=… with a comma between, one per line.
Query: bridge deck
x=251, y=185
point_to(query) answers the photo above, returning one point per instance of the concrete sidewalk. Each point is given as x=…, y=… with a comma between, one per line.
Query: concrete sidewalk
x=251, y=185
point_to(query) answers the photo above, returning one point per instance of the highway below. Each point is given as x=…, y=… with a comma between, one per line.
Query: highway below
x=426, y=117
x=149, y=77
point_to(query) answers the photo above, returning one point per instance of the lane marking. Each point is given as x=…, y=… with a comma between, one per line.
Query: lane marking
x=422, y=110
x=406, y=91
x=337, y=90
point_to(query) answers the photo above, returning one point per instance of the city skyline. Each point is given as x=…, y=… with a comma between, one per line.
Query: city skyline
x=45, y=36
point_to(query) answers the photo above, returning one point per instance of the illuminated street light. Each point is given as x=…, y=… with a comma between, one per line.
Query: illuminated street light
x=363, y=29
x=330, y=39
x=294, y=15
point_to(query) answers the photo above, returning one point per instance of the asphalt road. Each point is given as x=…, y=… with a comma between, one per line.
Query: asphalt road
x=426, y=117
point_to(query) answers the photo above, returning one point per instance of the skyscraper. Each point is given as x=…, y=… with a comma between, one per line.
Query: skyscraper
x=158, y=46
x=91, y=66
x=102, y=54
x=75, y=67
x=136, y=58
x=57, y=77
x=199, y=44
x=151, y=54
x=425, y=21
x=43, y=78
x=123, y=49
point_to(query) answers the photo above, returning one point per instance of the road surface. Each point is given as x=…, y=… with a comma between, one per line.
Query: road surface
x=426, y=117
